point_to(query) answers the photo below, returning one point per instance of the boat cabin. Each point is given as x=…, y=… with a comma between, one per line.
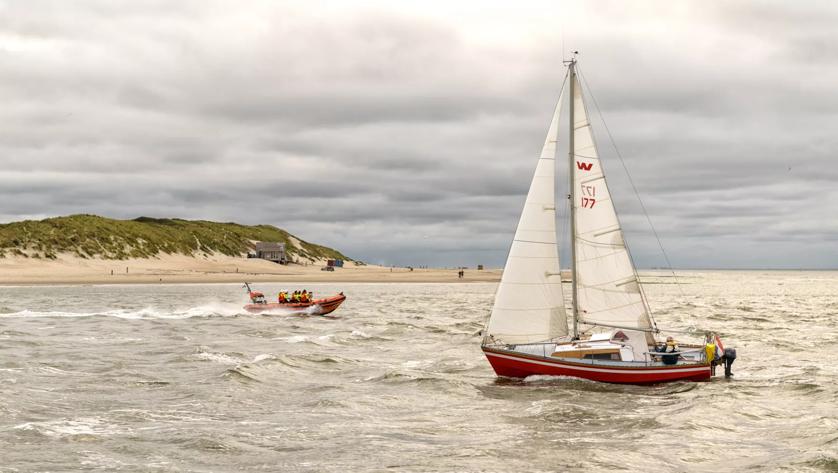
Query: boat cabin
x=620, y=345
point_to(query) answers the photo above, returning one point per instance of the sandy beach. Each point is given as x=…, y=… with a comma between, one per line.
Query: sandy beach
x=169, y=269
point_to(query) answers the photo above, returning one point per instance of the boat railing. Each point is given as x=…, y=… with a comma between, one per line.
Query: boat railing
x=548, y=354
x=535, y=349
x=663, y=353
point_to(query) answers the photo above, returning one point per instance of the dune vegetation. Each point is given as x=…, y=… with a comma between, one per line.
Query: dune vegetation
x=91, y=236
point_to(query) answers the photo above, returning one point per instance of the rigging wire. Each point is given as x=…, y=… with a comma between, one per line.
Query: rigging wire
x=631, y=181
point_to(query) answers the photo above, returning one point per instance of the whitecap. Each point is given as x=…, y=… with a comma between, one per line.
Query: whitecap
x=217, y=357
x=70, y=427
x=293, y=339
x=262, y=357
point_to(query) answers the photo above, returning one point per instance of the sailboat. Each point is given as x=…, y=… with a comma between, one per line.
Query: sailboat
x=609, y=334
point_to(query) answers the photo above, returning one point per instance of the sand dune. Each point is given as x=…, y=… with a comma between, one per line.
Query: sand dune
x=68, y=269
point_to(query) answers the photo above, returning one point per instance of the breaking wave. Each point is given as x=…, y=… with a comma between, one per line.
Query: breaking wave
x=202, y=311
x=63, y=428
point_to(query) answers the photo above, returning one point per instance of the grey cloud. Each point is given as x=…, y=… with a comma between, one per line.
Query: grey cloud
x=411, y=138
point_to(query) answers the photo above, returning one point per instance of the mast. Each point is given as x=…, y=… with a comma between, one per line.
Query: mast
x=572, y=196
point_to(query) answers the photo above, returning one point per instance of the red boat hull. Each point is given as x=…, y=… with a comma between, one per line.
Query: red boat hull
x=327, y=305
x=519, y=365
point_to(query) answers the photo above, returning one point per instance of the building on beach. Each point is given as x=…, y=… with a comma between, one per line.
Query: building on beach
x=271, y=251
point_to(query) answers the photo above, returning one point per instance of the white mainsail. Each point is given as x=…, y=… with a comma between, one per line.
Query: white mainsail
x=529, y=303
x=608, y=290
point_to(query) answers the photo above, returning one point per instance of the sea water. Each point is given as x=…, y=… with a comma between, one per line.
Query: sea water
x=180, y=378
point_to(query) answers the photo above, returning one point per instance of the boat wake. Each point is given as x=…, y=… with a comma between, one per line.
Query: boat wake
x=206, y=310
x=310, y=310
x=550, y=379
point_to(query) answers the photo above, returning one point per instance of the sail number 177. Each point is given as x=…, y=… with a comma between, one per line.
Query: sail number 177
x=588, y=196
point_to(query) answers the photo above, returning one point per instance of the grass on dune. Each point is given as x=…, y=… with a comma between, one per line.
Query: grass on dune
x=91, y=236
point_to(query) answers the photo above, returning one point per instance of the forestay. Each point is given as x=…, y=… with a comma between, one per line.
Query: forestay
x=608, y=291
x=529, y=304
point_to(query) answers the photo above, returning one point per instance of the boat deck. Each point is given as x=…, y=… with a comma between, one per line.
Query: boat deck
x=547, y=351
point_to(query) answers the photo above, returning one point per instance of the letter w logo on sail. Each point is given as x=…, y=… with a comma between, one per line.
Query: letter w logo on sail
x=584, y=166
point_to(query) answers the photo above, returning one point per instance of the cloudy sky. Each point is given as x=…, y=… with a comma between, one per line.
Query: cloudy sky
x=407, y=132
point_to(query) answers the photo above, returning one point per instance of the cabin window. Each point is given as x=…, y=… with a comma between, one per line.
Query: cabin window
x=603, y=356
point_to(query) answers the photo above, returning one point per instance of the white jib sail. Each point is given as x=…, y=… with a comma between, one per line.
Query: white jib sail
x=608, y=291
x=529, y=304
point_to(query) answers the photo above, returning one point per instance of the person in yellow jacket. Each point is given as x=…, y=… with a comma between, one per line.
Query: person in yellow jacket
x=671, y=347
x=710, y=350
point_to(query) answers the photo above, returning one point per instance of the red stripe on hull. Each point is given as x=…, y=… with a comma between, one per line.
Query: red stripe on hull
x=516, y=365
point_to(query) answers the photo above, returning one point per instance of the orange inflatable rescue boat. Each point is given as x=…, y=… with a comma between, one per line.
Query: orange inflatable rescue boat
x=324, y=306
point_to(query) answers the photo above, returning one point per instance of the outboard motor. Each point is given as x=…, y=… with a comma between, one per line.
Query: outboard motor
x=730, y=356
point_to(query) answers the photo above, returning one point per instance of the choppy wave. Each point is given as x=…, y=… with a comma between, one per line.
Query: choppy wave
x=63, y=428
x=181, y=377
x=205, y=354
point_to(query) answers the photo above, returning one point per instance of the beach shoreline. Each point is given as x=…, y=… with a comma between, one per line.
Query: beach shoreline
x=181, y=269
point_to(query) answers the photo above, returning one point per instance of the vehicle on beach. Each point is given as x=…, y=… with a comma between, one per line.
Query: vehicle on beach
x=610, y=334
x=327, y=305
